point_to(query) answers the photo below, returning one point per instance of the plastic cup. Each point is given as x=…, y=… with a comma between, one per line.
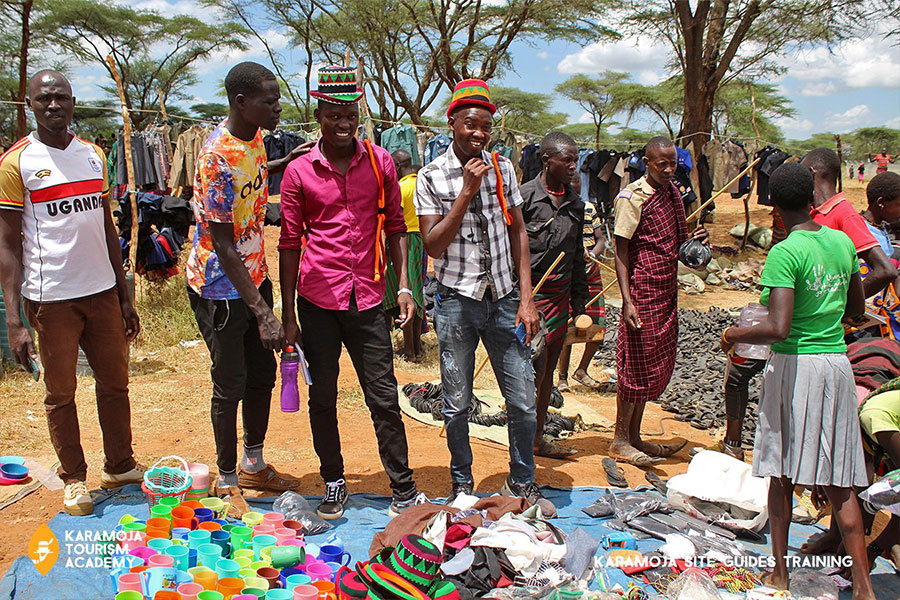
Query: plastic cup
x=293, y=542
x=243, y=561
x=296, y=580
x=229, y=586
x=170, y=501
x=270, y=575
x=318, y=571
x=208, y=555
x=259, y=564
x=159, y=544
x=161, y=560
x=279, y=594
x=129, y=595
x=324, y=587
x=306, y=592
x=285, y=533
x=240, y=538
x=225, y=567
x=180, y=554
x=217, y=505
x=243, y=552
x=130, y=581
x=162, y=511
x=198, y=537
x=209, y=526
x=183, y=517
x=204, y=514
x=266, y=554
x=252, y=518
x=189, y=590
x=254, y=593
x=263, y=529
x=199, y=475
x=335, y=567
x=287, y=556
x=192, y=504
x=204, y=576
x=222, y=539
x=274, y=519
x=134, y=526
x=166, y=595
x=247, y=573
x=210, y=595
x=256, y=583
x=262, y=541
x=192, y=557
x=295, y=525
x=180, y=533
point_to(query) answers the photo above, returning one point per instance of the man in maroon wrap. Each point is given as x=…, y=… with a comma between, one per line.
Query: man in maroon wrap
x=650, y=227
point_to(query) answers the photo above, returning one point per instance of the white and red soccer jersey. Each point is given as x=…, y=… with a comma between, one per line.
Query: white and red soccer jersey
x=61, y=195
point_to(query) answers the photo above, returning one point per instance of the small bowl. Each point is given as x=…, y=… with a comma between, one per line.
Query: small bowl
x=13, y=471
x=12, y=460
x=5, y=481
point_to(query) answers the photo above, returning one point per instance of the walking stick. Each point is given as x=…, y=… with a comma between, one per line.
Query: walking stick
x=722, y=191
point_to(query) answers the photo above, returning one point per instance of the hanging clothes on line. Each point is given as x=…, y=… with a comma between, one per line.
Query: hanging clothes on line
x=402, y=137
x=184, y=159
x=436, y=146
x=682, y=179
x=771, y=159
x=530, y=162
x=279, y=144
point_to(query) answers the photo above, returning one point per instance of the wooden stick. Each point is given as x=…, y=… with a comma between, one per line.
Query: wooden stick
x=129, y=167
x=370, y=131
x=724, y=189
x=162, y=105
x=601, y=263
x=597, y=297
x=534, y=292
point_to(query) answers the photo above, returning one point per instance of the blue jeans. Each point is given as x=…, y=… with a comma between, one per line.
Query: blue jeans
x=460, y=322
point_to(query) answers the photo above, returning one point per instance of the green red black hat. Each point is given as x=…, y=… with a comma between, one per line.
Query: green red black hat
x=338, y=85
x=474, y=92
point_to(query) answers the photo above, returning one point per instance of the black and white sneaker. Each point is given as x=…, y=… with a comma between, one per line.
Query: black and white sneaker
x=398, y=506
x=332, y=505
x=460, y=487
x=532, y=493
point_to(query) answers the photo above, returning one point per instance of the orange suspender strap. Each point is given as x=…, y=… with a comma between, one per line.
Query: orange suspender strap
x=379, y=224
x=506, y=216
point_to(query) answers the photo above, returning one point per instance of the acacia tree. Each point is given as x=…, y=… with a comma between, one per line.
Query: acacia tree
x=664, y=100
x=152, y=52
x=719, y=40
x=599, y=96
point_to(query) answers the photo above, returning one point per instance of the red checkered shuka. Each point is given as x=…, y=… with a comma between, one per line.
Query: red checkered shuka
x=645, y=358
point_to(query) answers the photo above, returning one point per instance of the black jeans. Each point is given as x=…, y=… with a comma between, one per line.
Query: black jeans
x=737, y=393
x=242, y=369
x=367, y=337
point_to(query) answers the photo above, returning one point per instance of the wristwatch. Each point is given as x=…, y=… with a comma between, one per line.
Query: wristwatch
x=404, y=291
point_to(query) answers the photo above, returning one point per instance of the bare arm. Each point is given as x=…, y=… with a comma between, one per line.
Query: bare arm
x=270, y=332
x=521, y=255
x=882, y=271
x=20, y=341
x=132, y=322
x=623, y=268
x=856, y=298
x=774, y=329
x=400, y=257
x=288, y=273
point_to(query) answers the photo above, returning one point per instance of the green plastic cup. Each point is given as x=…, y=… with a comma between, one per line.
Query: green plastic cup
x=240, y=537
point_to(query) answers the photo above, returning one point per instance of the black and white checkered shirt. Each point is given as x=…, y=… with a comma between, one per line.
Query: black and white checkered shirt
x=479, y=256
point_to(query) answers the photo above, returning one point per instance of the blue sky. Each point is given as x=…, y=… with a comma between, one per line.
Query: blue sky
x=838, y=89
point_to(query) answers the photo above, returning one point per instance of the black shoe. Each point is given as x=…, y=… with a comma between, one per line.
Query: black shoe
x=460, y=487
x=332, y=505
x=532, y=493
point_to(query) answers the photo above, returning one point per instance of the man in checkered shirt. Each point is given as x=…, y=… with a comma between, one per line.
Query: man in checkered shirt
x=468, y=204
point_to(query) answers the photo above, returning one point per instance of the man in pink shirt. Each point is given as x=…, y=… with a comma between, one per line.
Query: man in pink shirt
x=335, y=203
x=832, y=210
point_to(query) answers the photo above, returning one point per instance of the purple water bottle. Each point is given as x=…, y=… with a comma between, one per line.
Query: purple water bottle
x=290, y=394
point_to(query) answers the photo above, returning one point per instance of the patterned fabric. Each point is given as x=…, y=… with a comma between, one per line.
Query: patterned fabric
x=597, y=310
x=337, y=85
x=628, y=205
x=471, y=91
x=553, y=301
x=645, y=358
x=480, y=255
x=415, y=274
x=229, y=187
x=592, y=222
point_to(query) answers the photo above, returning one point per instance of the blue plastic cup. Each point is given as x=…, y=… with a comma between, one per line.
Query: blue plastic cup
x=222, y=539
x=180, y=533
x=225, y=567
x=159, y=544
x=208, y=555
x=192, y=558
x=198, y=537
x=180, y=554
x=296, y=580
x=262, y=541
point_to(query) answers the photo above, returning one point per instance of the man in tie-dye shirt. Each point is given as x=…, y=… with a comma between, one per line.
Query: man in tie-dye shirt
x=228, y=283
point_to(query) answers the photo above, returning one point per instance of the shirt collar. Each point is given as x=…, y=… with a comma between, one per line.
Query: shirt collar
x=453, y=161
x=645, y=187
x=832, y=202
x=315, y=154
x=410, y=176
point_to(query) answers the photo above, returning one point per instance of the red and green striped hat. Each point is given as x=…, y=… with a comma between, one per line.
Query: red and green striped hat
x=474, y=92
x=338, y=85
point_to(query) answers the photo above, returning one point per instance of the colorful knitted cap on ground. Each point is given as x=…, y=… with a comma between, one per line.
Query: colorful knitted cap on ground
x=443, y=590
x=473, y=92
x=338, y=86
x=384, y=584
x=349, y=585
x=416, y=560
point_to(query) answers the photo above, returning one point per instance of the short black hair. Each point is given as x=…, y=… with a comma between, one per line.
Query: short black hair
x=246, y=78
x=36, y=78
x=659, y=141
x=791, y=187
x=555, y=142
x=825, y=162
x=885, y=186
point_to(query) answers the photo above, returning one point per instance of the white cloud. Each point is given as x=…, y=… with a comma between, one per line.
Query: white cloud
x=851, y=118
x=643, y=59
x=893, y=123
x=543, y=55
x=819, y=89
x=795, y=128
x=179, y=7
x=586, y=118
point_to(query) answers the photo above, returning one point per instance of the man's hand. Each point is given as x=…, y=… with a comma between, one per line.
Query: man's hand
x=701, y=234
x=271, y=333
x=292, y=335
x=132, y=321
x=473, y=173
x=630, y=315
x=300, y=150
x=22, y=345
x=528, y=315
x=724, y=343
x=407, y=309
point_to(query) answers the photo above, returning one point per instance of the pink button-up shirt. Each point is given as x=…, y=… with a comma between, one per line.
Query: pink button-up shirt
x=338, y=214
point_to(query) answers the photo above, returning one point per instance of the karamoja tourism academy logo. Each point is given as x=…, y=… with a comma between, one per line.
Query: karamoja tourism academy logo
x=43, y=549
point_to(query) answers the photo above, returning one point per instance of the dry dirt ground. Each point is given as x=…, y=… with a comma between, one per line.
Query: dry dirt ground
x=170, y=390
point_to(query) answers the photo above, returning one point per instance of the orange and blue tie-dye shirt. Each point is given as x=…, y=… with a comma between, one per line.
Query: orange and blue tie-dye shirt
x=229, y=187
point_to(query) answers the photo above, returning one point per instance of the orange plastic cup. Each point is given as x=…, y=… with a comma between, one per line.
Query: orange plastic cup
x=229, y=586
x=158, y=523
x=205, y=577
x=209, y=526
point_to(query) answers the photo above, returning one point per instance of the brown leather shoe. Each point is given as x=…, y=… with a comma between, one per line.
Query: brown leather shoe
x=269, y=480
x=234, y=496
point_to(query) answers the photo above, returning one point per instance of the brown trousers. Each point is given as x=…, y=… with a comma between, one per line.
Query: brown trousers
x=96, y=324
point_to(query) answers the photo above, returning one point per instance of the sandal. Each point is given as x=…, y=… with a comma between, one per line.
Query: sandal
x=548, y=449
x=563, y=385
x=663, y=450
x=235, y=497
x=587, y=381
x=640, y=459
x=268, y=479
x=615, y=475
x=654, y=480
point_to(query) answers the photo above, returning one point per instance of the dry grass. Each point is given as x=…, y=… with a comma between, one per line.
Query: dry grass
x=166, y=316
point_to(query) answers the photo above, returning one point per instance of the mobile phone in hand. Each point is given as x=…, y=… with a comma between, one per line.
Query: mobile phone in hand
x=521, y=333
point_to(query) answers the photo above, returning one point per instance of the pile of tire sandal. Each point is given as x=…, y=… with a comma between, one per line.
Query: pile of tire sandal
x=428, y=398
x=696, y=392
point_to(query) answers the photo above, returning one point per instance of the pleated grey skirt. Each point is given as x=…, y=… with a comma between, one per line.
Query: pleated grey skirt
x=808, y=426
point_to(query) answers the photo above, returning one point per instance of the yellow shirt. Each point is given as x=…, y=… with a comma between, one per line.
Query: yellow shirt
x=627, y=207
x=408, y=193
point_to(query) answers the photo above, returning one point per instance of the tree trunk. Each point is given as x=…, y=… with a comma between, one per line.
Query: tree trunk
x=21, y=123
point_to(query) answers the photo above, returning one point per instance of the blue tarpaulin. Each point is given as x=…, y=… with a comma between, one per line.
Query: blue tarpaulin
x=365, y=514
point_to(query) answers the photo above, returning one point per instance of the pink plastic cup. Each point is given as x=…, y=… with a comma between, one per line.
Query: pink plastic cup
x=263, y=529
x=190, y=590
x=274, y=519
x=319, y=571
x=130, y=582
x=293, y=542
x=161, y=560
x=283, y=534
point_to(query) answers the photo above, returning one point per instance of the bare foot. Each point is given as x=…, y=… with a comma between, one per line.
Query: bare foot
x=825, y=543
x=895, y=556
x=631, y=455
x=660, y=450
x=779, y=582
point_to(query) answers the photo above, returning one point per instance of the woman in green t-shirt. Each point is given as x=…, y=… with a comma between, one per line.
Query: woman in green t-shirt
x=808, y=430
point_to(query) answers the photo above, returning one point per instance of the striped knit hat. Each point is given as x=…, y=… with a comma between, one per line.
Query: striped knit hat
x=474, y=92
x=338, y=86
x=417, y=560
